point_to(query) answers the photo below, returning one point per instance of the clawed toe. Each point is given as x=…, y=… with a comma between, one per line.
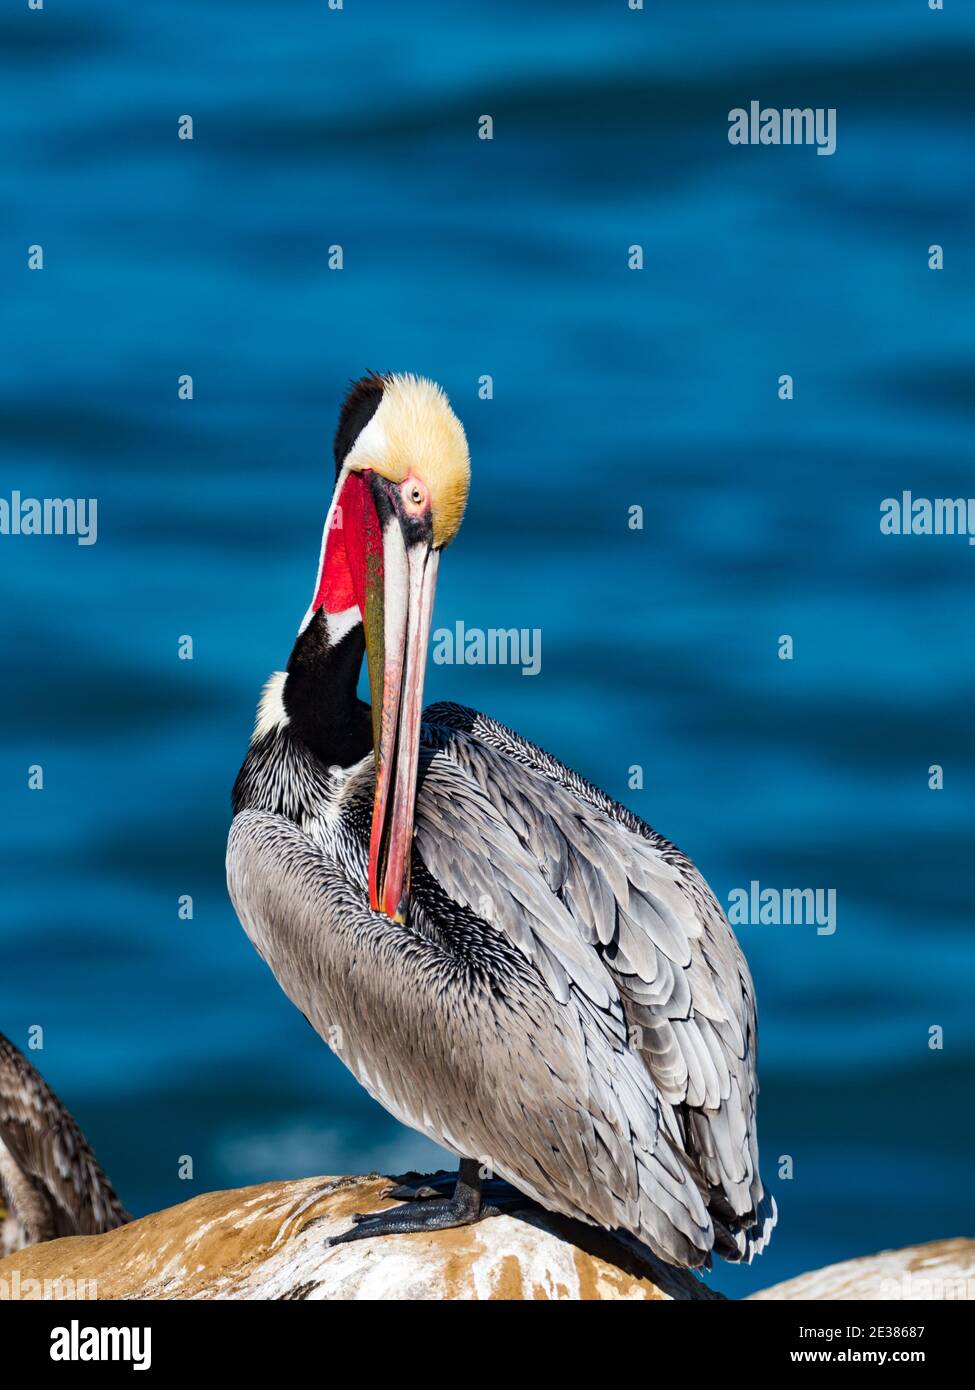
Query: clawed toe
x=403, y=1193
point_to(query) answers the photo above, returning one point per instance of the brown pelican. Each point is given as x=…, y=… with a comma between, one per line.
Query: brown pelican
x=507, y=959
x=51, y=1184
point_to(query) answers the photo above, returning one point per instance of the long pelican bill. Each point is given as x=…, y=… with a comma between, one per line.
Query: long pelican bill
x=397, y=625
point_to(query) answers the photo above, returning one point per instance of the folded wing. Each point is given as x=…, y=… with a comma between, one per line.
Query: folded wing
x=620, y=923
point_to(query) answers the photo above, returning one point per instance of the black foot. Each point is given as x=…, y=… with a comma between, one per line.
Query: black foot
x=426, y=1209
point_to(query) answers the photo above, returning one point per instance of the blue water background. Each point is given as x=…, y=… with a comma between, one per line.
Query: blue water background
x=612, y=388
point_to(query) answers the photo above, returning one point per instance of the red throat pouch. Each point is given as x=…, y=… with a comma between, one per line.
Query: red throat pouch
x=353, y=549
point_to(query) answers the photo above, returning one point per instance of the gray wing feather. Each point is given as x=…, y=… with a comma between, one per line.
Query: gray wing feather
x=662, y=942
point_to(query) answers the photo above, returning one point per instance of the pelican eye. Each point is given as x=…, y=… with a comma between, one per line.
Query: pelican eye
x=414, y=496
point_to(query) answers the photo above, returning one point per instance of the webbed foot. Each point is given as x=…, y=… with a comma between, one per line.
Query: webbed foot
x=424, y=1209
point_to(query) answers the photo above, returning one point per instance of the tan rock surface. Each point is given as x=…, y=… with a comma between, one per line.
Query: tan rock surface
x=942, y=1270
x=268, y=1242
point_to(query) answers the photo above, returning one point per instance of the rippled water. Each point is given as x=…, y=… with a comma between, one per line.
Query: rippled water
x=612, y=388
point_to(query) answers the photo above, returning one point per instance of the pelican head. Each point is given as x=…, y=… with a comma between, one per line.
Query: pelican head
x=403, y=473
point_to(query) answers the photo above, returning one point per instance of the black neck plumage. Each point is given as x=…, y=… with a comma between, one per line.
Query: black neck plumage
x=320, y=694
